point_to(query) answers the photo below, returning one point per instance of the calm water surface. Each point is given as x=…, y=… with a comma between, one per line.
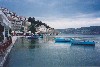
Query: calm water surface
x=46, y=53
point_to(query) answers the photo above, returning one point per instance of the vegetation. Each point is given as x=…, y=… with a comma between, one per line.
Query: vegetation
x=35, y=24
x=22, y=29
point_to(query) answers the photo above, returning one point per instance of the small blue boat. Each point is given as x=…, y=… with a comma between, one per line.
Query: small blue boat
x=41, y=36
x=62, y=40
x=33, y=37
x=82, y=42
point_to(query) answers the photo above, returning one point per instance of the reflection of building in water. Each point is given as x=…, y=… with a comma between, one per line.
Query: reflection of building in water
x=22, y=40
x=45, y=38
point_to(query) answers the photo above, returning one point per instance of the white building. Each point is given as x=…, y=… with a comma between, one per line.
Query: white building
x=6, y=24
x=41, y=29
x=16, y=21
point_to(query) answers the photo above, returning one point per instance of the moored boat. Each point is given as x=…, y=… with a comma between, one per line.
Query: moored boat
x=41, y=36
x=33, y=37
x=82, y=42
x=62, y=40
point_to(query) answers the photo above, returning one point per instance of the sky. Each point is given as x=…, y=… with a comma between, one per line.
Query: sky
x=59, y=14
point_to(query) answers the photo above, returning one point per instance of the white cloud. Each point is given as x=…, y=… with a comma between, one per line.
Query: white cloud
x=62, y=23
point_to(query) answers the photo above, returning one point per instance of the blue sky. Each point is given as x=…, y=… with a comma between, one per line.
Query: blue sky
x=58, y=13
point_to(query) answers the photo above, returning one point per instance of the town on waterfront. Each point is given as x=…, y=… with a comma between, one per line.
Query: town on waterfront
x=49, y=33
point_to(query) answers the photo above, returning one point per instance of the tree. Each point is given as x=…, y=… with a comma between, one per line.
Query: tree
x=22, y=29
x=35, y=24
x=32, y=29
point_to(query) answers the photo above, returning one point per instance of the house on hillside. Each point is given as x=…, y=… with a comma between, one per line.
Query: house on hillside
x=41, y=29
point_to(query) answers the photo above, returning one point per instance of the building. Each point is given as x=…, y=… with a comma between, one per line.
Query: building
x=16, y=21
x=5, y=26
x=41, y=29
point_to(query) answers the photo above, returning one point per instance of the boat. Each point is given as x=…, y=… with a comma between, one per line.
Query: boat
x=62, y=40
x=33, y=37
x=41, y=36
x=82, y=42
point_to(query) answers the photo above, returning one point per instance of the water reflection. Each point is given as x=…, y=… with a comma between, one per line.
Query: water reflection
x=64, y=43
x=83, y=47
x=22, y=40
x=32, y=44
x=33, y=41
x=48, y=39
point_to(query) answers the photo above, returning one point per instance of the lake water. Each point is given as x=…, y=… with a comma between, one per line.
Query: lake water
x=46, y=53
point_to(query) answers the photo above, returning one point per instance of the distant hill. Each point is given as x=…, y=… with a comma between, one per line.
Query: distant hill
x=61, y=30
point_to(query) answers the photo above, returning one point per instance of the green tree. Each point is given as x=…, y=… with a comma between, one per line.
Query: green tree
x=35, y=24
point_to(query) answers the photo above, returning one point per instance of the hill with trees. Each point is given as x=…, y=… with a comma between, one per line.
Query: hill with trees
x=35, y=23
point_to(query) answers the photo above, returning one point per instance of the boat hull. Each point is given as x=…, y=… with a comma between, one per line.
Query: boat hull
x=61, y=40
x=82, y=43
x=33, y=37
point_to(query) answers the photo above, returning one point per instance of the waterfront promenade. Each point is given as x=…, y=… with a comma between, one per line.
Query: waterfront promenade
x=3, y=57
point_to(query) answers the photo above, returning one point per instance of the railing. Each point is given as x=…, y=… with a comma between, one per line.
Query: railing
x=4, y=46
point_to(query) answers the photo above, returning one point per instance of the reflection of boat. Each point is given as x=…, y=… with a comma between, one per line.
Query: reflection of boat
x=62, y=40
x=82, y=46
x=82, y=42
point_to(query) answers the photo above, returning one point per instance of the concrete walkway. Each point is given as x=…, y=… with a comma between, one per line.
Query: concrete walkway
x=4, y=56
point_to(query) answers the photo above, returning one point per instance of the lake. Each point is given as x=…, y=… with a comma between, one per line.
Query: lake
x=46, y=53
